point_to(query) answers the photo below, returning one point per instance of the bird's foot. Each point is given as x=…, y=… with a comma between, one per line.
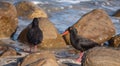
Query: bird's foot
x=78, y=60
x=80, y=57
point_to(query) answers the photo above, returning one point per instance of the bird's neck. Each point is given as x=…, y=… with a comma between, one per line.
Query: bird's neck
x=73, y=37
x=35, y=24
x=73, y=34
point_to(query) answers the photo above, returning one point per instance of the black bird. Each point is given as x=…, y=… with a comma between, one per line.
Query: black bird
x=34, y=34
x=79, y=42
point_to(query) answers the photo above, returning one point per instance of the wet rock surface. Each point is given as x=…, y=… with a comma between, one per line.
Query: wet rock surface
x=45, y=58
x=9, y=51
x=2, y=49
x=96, y=26
x=114, y=41
x=51, y=38
x=62, y=14
x=117, y=13
x=102, y=56
x=8, y=19
x=27, y=9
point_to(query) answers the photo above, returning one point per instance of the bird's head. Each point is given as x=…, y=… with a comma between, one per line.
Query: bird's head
x=70, y=30
x=35, y=22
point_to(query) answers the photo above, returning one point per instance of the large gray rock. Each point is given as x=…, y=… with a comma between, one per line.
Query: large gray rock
x=7, y=51
x=8, y=19
x=114, y=41
x=45, y=58
x=29, y=10
x=51, y=37
x=96, y=26
x=102, y=56
x=117, y=13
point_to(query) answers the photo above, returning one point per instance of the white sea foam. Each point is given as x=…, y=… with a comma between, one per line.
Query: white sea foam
x=37, y=2
x=111, y=8
x=72, y=1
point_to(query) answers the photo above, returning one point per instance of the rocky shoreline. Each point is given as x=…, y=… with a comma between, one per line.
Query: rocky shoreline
x=55, y=50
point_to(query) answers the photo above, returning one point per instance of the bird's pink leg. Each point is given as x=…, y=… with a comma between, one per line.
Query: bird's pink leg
x=80, y=57
x=30, y=48
x=35, y=48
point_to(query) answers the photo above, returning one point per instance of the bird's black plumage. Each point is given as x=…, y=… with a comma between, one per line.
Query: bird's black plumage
x=79, y=42
x=34, y=35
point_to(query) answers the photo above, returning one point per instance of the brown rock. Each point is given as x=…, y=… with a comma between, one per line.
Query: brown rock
x=117, y=14
x=115, y=41
x=29, y=10
x=8, y=51
x=102, y=56
x=45, y=58
x=7, y=42
x=3, y=48
x=96, y=26
x=51, y=38
x=8, y=19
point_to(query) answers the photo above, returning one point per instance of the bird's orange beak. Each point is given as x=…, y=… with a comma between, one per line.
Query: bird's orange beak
x=66, y=32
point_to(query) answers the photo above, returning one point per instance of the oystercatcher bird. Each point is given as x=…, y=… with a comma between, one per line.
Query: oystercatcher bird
x=34, y=34
x=79, y=42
